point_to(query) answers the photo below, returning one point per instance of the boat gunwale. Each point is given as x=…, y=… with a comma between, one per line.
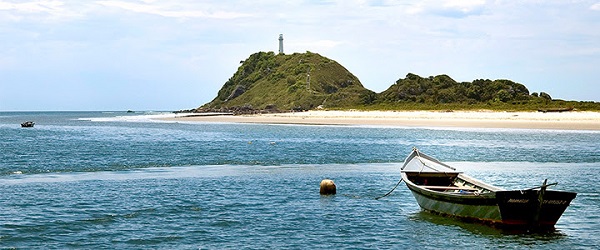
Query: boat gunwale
x=483, y=198
x=416, y=153
x=459, y=174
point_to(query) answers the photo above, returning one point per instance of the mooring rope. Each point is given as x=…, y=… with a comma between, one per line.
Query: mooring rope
x=388, y=193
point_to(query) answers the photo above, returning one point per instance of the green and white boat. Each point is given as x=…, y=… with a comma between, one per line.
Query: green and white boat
x=442, y=189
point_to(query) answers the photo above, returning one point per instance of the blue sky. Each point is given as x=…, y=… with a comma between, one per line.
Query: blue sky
x=171, y=55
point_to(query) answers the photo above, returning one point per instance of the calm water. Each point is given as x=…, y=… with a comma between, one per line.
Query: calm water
x=117, y=180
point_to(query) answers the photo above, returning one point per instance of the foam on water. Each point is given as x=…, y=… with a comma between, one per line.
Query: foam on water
x=146, y=117
x=205, y=171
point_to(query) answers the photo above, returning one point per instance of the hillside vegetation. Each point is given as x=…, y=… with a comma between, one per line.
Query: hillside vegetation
x=299, y=81
x=303, y=81
x=443, y=92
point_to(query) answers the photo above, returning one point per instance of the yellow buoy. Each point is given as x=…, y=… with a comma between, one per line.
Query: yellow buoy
x=327, y=187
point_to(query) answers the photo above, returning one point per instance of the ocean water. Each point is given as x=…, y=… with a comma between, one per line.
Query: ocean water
x=117, y=180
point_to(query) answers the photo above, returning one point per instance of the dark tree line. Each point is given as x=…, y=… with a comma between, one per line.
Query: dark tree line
x=443, y=89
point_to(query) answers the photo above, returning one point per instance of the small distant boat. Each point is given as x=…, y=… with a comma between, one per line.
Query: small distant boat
x=27, y=124
x=442, y=189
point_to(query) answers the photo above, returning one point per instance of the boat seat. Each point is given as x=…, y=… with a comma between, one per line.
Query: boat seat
x=449, y=188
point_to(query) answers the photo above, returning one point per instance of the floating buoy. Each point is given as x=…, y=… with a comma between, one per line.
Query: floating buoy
x=327, y=187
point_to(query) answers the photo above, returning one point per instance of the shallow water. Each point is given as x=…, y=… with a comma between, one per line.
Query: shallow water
x=116, y=180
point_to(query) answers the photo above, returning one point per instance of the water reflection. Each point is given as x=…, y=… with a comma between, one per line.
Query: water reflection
x=489, y=231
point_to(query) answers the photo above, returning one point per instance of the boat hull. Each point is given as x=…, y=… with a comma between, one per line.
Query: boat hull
x=527, y=207
x=482, y=208
x=502, y=208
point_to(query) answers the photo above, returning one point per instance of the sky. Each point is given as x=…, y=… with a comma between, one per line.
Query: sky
x=170, y=55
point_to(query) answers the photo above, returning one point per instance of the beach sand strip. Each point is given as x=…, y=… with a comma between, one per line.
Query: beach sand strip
x=469, y=119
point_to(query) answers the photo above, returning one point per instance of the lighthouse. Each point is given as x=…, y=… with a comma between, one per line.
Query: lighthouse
x=280, y=43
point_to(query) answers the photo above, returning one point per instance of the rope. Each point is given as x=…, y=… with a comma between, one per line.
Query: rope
x=423, y=163
x=388, y=193
x=419, y=158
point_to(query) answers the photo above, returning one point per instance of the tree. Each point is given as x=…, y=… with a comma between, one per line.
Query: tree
x=545, y=96
x=503, y=95
x=368, y=97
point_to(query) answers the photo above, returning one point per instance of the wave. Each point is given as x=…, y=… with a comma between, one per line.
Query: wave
x=487, y=171
x=178, y=172
x=145, y=117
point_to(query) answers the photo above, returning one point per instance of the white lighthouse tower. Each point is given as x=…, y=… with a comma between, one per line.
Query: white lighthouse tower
x=280, y=43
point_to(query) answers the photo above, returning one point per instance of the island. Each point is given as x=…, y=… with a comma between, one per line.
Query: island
x=281, y=88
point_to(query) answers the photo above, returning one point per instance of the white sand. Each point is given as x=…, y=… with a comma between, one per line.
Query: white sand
x=574, y=120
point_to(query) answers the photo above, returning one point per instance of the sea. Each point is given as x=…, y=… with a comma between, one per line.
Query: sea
x=117, y=180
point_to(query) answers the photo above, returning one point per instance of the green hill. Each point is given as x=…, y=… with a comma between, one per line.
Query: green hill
x=284, y=82
x=302, y=81
x=443, y=89
x=443, y=92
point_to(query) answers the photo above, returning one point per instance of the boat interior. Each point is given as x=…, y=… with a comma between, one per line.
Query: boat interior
x=449, y=182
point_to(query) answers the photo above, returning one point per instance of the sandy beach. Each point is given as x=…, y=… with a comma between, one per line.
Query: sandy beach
x=575, y=120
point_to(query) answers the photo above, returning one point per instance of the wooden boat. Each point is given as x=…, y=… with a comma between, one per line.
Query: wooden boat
x=27, y=124
x=442, y=189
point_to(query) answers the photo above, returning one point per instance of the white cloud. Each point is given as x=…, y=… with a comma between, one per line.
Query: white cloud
x=316, y=46
x=596, y=6
x=464, y=6
x=448, y=8
x=32, y=7
x=53, y=9
x=150, y=7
